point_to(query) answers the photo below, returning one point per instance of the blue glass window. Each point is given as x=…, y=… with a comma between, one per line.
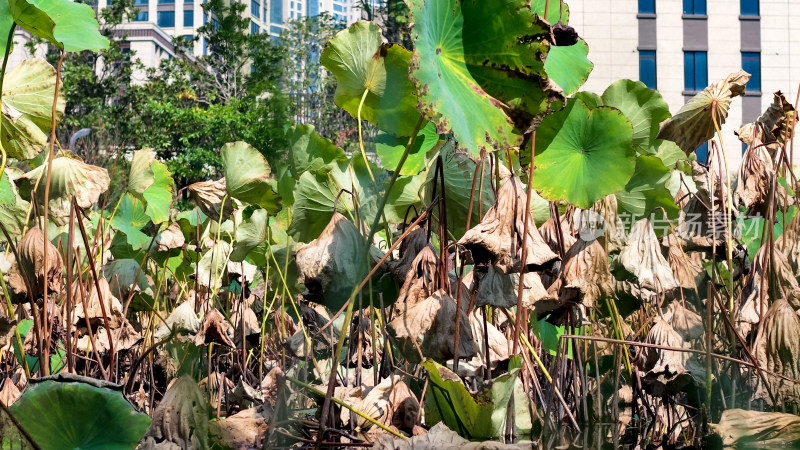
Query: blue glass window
x=749, y=7
x=647, y=6
x=275, y=30
x=694, y=7
x=142, y=16
x=166, y=2
x=276, y=12
x=702, y=153
x=695, y=70
x=166, y=19
x=254, y=29
x=647, y=68
x=188, y=17
x=255, y=9
x=751, y=63
x=313, y=8
x=140, y=2
x=337, y=8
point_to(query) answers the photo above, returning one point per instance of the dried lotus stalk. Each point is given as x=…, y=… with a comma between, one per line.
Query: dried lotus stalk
x=413, y=243
x=328, y=265
x=585, y=278
x=497, y=240
x=208, y=196
x=31, y=264
x=642, y=259
x=756, y=301
x=664, y=370
x=428, y=327
x=498, y=289
x=777, y=349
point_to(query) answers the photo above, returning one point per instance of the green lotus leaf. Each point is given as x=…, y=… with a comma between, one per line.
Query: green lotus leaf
x=27, y=106
x=647, y=190
x=476, y=65
x=315, y=195
x=12, y=436
x=311, y=152
x=58, y=359
x=68, y=25
x=212, y=267
x=70, y=178
x=459, y=171
x=141, y=175
x=69, y=415
x=391, y=148
x=6, y=22
x=480, y=416
x=568, y=66
x=122, y=279
x=668, y=152
x=362, y=63
x=251, y=232
x=248, y=176
x=644, y=107
x=583, y=154
x=159, y=194
x=554, y=13
x=406, y=192
x=13, y=209
x=130, y=219
x=694, y=123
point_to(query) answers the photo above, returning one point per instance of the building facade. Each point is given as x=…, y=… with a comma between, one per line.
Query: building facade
x=680, y=46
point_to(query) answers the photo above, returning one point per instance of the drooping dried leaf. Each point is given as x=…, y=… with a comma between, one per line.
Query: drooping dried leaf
x=214, y=329
x=498, y=343
x=429, y=326
x=441, y=438
x=31, y=267
x=208, y=196
x=391, y=403
x=550, y=234
x=182, y=320
x=777, y=349
x=686, y=322
x=771, y=126
x=741, y=429
x=755, y=175
x=244, y=429
x=10, y=393
x=664, y=370
x=215, y=385
x=171, y=237
x=7, y=327
x=70, y=178
x=420, y=281
x=789, y=244
x=686, y=266
x=759, y=291
x=701, y=220
x=585, y=278
x=497, y=240
x=694, y=122
x=125, y=337
x=94, y=310
x=181, y=419
x=641, y=258
x=409, y=249
x=328, y=265
x=498, y=289
x=248, y=318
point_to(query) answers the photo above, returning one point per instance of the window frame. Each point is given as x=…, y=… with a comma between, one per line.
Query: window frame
x=746, y=8
x=647, y=6
x=754, y=84
x=188, y=13
x=646, y=56
x=690, y=61
x=695, y=7
x=159, y=18
x=255, y=9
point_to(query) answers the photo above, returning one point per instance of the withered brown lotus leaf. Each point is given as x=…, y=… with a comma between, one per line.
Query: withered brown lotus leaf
x=171, y=237
x=10, y=393
x=328, y=265
x=771, y=126
x=498, y=238
x=664, y=370
x=31, y=263
x=409, y=249
x=789, y=244
x=181, y=419
x=585, y=278
x=214, y=329
x=208, y=196
x=94, y=311
x=125, y=337
x=686, y=266
x=420, y=282
x=16, y=284
x=252, y=327
x=641, y=257
x=498, y=289
x=7, y=327
x=430, y=327
x=698, y=225
x=755, y=175
x=244, y=429
x=391, y=403
x=742, y=429
x=758, y=290
x=686, y=322
x=498, y=343
x=549, y=233
x=777, y=349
